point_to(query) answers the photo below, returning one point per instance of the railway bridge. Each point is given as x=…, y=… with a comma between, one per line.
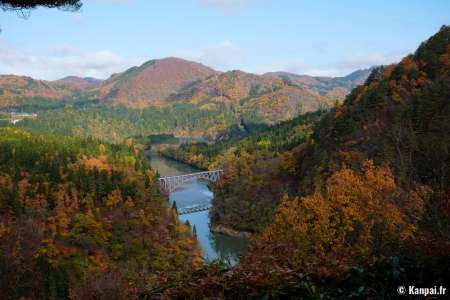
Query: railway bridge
x=170, y=183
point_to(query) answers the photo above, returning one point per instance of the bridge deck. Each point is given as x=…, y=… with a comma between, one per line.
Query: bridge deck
x=170, y=183
x=191, y=210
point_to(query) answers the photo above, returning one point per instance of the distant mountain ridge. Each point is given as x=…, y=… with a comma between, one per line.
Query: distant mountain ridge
x=78, y=83
x=14, y=88
x=272, y=96
x=326, y=86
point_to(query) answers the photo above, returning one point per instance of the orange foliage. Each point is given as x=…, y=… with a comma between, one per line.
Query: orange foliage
x=357, y=215
x=99, y=163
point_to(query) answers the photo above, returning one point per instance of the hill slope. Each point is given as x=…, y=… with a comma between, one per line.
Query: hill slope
x=14, y=88
x=77, y=83
x=399, y=118
x=270, y=99
x=337, y=87
x=153, y=82
x=81, y=220
x=370, y=206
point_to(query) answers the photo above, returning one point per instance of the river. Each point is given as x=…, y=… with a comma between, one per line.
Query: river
x=214, y=245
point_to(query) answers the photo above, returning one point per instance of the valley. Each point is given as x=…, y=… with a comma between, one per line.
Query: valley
x=198, y=193
x=328, y=187
x=201, y=102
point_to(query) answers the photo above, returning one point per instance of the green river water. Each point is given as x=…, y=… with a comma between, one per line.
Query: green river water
x=214, y=245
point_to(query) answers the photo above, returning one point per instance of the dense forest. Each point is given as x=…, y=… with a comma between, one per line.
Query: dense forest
x=83, y=219
x=275, y=139
x=366, y=207
x=116, y=124
x=345, y=202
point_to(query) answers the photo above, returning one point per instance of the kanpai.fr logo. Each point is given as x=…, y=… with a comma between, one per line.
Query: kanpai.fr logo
x=421, y=291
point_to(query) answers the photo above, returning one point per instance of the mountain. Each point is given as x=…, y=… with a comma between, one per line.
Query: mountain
x=399, y=117
x=14, y=88
x=332, y=87
x=77, y=83
x=269, y=98
x=228, y=87
x=382, y=157
x=153, y=82
x=171, y=80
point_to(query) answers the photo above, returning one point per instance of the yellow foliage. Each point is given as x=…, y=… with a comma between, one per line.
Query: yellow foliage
x=129, y=204
x=358, y=215
x=264, y=143
x=98, y=263
x=3, y=229
x=99, y=163
x=114, y=198
x=102, y=149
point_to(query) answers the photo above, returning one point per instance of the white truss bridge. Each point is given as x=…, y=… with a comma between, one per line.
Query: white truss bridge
x=193, y=209
x=169, y=183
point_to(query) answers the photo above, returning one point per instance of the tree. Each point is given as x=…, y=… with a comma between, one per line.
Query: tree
x=174, y=207
x=20, y=5
x=360, y=214
x=23, y=7
x=194, y=231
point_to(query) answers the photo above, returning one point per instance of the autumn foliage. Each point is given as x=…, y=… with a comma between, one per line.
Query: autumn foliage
x=358, y=216
x=83, y=220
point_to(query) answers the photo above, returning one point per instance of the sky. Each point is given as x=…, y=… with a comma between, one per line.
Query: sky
x=315, y=37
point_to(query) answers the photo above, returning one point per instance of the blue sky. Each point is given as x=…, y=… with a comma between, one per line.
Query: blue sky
x=306, y=37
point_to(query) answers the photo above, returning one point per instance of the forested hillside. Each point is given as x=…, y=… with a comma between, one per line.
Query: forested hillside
x=370, y=210
x=153, y=82
x=117, y=124
x=85, y=220
x=17, y=90
x=324, y=187
x=275, y=139
x=332, y=87
x=376, y=177
x=167, y=96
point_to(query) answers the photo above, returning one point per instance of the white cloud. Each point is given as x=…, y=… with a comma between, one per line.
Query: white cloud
x=368, y=60
x=60, y=62
x=77, y=18
x=221, y=56
x=295, y=66
x=340, y=67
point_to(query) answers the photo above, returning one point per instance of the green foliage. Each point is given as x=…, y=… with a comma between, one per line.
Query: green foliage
x=116, y=124
x=74, y=210
x=275, y=139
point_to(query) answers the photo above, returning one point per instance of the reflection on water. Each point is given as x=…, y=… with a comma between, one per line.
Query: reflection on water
x=197, y=193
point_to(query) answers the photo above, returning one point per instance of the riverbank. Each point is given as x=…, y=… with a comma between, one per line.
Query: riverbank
x=177, y=153
x=230, y=232
x=225, y=245
x=169, y=151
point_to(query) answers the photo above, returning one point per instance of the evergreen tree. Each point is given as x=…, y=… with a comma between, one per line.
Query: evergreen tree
x=188, y=224
x=174, y=207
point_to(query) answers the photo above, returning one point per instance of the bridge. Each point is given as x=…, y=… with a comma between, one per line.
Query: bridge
x=194, y=209
x=169, y=183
